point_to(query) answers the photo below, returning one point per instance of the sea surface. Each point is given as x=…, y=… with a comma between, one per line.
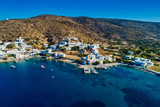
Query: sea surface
x=64, y=85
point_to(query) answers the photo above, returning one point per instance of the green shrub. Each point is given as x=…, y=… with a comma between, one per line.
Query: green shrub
x=10, y=55
x=30, y=43
x=96, y=63
x=105, y=62
x=82, y=55
x=156, y=64
x=43, y=48
x=10, y=46
x=79, y=60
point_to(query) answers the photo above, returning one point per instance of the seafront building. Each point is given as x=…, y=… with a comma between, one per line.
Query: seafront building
x=23, y=50
x=142, y=62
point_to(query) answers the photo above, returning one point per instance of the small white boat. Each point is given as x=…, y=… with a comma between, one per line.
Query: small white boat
x=26, y=59
x=12, y=66
x=52, y=76
x=42, y=67
x=94, y=71
x=104, y=68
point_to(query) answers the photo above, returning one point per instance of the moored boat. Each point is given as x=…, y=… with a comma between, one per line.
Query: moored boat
x=94, y=71
x=12, y=66
x=42, y=67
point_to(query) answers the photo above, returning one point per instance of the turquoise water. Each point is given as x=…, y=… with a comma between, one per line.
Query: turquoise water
x=30, y=86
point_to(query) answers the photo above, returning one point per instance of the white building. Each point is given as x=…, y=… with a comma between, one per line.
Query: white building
x=2, y=54
x=48, y=51
x=71, y=44
x=128, y=57
x=19, y=40
x=15, y=43
x=7, y=43
x=45, y=45
x=59, y=54
x=95, y=46
x=109, y=58
x=142, y=62
x=62, y=44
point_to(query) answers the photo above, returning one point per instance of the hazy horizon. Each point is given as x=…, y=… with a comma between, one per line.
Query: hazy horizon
x=144, y=10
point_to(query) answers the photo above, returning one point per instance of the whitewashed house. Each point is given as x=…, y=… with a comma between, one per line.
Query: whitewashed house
x=71, y=44
x=142, y=62
x=2, y=47
x=67, y=48
x=95, y=46
x=91, y=57
x=130, y=53
x=48, y=51
x=16, y=44
x=79, y=44
x=81, y=47
x=6, y=43
x=53, y=47
x=35, y=51
x=67, y=39
x=19, y=40
x=23, y=44
x=59, y=54
x=74, y=38
x=109, y=58
x=62, y=44
x=3, y=54
x=45, y=45
x=128, y=57
x=19, y=56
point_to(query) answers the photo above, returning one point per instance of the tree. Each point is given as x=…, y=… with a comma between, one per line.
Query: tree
x=10, y=46
x=49, y=45
x=30, y=43
x=105, y=62
x=10, y=55
x=96, y=63
x=82, y=55
x=79, y=60
x=75, y=48
x=43, y=48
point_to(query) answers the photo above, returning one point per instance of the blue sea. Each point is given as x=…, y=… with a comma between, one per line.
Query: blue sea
x=64, y=85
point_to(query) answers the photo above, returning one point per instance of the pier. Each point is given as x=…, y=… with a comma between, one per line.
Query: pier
x=91, y=68
x=99, y=66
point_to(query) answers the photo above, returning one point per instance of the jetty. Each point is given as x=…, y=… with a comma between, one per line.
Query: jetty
x=86, y=70
x=93, y=71
x=99, y=66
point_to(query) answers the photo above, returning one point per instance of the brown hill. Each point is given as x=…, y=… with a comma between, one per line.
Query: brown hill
x=51, y=28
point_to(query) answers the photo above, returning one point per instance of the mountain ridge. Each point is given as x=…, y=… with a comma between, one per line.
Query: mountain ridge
x=52, y=28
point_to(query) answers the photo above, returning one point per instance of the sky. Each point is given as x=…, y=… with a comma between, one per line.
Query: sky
x=143, y=10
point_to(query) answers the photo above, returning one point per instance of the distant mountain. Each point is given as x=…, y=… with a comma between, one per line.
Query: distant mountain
x=51, y=28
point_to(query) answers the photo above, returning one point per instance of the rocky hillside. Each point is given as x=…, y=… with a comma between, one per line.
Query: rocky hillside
x=50, y=28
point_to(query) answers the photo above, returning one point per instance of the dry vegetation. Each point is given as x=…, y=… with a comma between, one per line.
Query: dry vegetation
x=50, y=28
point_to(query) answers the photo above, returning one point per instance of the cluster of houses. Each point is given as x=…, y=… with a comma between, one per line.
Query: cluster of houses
x=22, y=49
x=67, y=45
x=141, y=62
x=96, y=57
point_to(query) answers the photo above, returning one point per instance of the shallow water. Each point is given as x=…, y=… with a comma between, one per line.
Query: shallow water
x=64, y=85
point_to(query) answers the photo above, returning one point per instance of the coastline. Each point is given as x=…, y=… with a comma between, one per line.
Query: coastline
x=143, y=69
x=71, y=61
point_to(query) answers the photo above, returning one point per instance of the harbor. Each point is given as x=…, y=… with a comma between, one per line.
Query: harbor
x=91, y=68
